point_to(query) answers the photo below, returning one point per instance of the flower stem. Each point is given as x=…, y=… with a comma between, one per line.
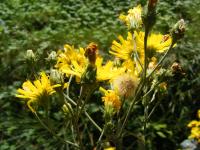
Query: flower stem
x=52, y=132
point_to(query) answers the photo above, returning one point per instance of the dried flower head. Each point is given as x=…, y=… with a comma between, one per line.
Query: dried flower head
x=178, y=30
x=125, y=85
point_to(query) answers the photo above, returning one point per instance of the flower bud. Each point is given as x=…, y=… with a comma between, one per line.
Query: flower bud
x=178, y=30
x=30, y=55
x=152, y=4
x=66, y=108
x=56, y=76
x=149, y=17
x=91, y=52
x=52, y=56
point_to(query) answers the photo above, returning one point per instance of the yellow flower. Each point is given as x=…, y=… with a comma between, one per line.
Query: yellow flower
x=133, y=20
x=193, y=123
x=110, y=148
x=155, y=43
x=70, y=54
x=104, y=72
x=198, y=114
x=36, y=91
x=195, y=129
x=111, y=99
x=126, y=50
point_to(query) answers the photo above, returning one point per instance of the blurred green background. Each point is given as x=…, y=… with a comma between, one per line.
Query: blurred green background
x=46, y=25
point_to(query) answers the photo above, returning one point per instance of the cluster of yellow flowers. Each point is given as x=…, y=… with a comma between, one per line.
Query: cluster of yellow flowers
x=123, y=78
x=86, y=64
x=195, y=128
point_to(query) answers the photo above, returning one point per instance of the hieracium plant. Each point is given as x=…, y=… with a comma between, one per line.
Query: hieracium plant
x=134, y=76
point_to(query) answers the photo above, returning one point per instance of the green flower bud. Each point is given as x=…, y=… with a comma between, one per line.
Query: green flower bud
x=65, y=109
x=52, y=56
x=30, y=55
x=178, y=30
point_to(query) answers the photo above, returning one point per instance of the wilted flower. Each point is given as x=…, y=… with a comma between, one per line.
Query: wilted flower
x=178, y=30
x=177, y=69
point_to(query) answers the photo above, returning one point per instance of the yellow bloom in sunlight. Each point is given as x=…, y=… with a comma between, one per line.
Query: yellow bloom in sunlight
x=111, y=99
x=70, y=54
x=36, y=91
x=155, y=43
x=104, y=72
x=124, y=49
x=133, y=20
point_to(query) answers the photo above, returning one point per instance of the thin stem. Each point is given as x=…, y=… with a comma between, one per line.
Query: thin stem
x=135, y=50
x=52, y=132
x=69, y=82
x=99, y=140
x=92, y=121
x=145, y=53
x=161, y=60
x=86, y=114
x=140, y=86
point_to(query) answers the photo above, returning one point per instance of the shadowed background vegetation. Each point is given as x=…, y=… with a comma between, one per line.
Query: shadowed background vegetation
x=47, y=25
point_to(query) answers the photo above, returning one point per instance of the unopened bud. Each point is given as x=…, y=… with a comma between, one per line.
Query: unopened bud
x=149, y=17
x=91, y=52
x=178, y=30
x=152, y=4
x=30, y=55
x=66, y=108
x=52, y=56
x=56, y=77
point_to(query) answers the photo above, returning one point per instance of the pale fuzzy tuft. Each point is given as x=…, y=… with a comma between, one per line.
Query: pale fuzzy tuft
x=125, y=85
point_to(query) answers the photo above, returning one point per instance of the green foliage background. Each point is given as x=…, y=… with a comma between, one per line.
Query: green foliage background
x=46, y=25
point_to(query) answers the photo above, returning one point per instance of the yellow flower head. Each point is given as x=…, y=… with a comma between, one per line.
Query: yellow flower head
x=198, y=114
x=126, y=49
x=133, y=20
x=111, y=99
x=70, y=54
x=104, y=72
x=36, y=91
x=155, y=43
